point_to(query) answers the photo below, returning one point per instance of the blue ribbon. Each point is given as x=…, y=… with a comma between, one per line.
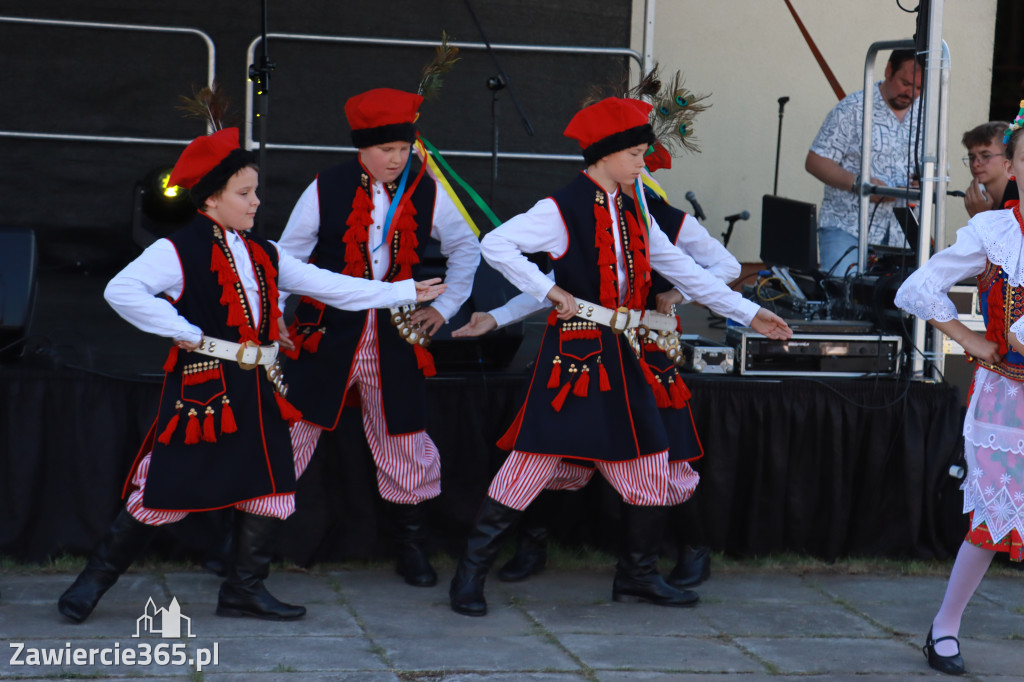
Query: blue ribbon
x=394, y=203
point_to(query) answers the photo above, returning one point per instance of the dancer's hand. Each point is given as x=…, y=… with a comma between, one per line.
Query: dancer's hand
x=771, y=325
x=478, y=325
x=565, y=303
x=428, y=319
x=429, y=289
x=665, y=302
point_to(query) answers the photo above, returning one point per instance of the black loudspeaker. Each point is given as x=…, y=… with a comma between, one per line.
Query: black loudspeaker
x=492, y=351
x=18, y=262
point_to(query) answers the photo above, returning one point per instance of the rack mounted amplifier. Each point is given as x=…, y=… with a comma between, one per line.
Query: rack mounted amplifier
x=835, y=355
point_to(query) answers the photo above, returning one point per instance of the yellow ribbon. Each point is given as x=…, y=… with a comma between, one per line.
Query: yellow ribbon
x=435, y=171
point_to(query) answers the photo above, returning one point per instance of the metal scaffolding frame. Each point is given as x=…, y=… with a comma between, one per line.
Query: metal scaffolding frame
x=933, y=180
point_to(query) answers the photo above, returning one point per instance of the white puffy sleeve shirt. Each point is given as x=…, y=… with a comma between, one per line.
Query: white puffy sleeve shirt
x=458, y=243
x=989, y=236
x=541, y=229
x=134, y=293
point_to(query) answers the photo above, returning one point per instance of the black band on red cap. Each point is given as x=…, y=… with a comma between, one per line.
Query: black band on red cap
x=218, y=177
x=616, y=143
x=395, y=132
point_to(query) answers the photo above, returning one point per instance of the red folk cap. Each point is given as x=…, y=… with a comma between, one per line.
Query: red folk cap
x=201, y=156
x=611, y=125
x=382, y=115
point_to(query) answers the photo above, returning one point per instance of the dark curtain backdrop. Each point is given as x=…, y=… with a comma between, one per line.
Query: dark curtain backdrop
x=78, y=195
x=831, y=468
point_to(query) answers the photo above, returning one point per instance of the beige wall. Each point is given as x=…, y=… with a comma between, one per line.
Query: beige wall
x=748, y=53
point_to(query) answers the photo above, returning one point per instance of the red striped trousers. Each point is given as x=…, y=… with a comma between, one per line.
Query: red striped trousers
x=408, y=465
x=279, y=506
x=644, y=481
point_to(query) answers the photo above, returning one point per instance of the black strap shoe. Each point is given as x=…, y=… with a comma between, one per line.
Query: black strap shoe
x=951, y=665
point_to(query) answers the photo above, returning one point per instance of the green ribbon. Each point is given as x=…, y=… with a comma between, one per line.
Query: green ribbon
x=477, y=199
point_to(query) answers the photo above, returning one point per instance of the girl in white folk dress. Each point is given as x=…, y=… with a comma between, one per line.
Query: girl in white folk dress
x=990, y=247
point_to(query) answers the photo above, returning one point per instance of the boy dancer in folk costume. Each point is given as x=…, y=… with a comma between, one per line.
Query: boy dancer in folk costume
x=682, y=229
x=587, y=372
x=990, y=247
x=220, y=438
x=372, y=218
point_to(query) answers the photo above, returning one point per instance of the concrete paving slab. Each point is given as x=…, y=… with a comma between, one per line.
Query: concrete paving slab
x=835, y=655
x=788, y=620
x=620, y=619
x=658, y=653
x=893, y=589
x=476, y=654
x=308, y=654
x=302, y=676
x=772, y=588
x=365, y=624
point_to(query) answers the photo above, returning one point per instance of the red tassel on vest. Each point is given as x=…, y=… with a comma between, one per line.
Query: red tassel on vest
x=288, y=411
x=424, y=361
x=582, y=383
x=192, y=430
x=560, y=398
x=209, y=430
x=555, y=378
x=312, y=341
x=357, y=235
x=168, y=432
x=227, y=417
x=602, y=376
x=675, y=394
x=172, y=359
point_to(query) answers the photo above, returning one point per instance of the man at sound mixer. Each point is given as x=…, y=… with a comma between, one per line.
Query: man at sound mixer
x=835, y=158
x=990, y=186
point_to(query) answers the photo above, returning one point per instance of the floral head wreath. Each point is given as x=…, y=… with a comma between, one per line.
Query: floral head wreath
x=1018, y=123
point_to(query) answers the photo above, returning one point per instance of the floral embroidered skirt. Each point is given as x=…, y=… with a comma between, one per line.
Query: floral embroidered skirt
x=994, y=448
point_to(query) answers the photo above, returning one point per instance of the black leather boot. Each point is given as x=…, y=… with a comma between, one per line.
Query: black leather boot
x=531, y=543
x=243, y=592
x=413, y=564
x=637, y=577
x=218, y=556
x=692, y=568
x=467, y=589
x=126, y=540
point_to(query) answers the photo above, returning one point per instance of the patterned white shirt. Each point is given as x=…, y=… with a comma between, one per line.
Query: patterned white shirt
x=839, y=139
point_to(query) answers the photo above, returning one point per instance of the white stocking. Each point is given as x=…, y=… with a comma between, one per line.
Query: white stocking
x=968, y=570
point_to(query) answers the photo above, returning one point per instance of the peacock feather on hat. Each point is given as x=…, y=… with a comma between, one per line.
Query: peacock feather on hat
x=210, y=105
x=445, y=57
x=675, y=108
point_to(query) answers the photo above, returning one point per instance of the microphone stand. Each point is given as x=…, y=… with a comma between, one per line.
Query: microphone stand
x=728, y=232
x=260, y=76
x=495, y=84
x=778, y=146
